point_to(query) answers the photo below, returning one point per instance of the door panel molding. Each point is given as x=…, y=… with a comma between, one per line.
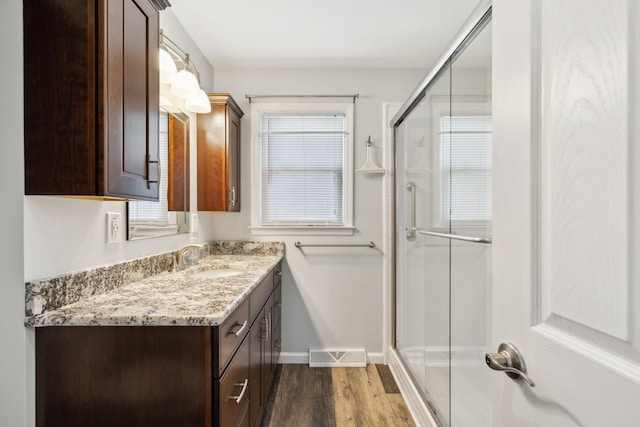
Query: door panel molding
x=583, y=183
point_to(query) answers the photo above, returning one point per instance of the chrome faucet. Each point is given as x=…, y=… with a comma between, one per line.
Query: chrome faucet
x=183, y=250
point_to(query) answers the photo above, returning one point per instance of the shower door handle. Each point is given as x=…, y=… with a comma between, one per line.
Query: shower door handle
x=509, y=360
x=411, y=231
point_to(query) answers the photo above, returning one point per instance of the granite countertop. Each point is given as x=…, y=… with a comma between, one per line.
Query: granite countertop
x=168, y=299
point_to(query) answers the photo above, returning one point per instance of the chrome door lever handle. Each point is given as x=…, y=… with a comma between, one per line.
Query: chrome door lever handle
x=509, y=360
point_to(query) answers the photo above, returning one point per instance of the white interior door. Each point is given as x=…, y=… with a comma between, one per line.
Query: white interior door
x=566, y=251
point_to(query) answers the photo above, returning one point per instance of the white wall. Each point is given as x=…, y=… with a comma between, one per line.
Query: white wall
x=331, y=297
x=15, y=343
x=174, y=30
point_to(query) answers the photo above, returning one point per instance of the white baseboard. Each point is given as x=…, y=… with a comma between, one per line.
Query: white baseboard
x=302, y=358
x=291, y=358
x=419, y=411
x=377, y=358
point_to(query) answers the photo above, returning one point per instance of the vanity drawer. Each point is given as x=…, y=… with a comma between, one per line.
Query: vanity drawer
x=260, y=295
x=232, y=390
x=230, y=334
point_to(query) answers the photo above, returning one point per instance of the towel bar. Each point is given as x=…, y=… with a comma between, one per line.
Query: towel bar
x=331, y=245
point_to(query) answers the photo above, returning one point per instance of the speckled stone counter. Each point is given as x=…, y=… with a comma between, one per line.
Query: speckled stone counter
x=164, y=299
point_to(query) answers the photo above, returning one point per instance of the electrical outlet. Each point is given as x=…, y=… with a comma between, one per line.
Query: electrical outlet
x=113, y=227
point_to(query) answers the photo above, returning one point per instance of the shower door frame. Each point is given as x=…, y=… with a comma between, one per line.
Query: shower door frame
x=419, y=408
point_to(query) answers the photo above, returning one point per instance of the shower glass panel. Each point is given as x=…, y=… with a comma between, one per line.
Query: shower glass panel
x=422, y=291
x=443, y=200
x=467, y=180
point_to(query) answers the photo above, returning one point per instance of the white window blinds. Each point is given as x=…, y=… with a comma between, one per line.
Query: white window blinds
x=155, y=213
x=466, y=162
x=302, y=162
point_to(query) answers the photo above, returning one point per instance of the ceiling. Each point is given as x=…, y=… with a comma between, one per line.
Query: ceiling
x=327, y=33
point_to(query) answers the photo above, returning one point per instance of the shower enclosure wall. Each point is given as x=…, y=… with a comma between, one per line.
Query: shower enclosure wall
x=443, y=144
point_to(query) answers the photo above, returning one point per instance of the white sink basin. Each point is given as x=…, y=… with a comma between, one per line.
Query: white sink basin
x=217, y=273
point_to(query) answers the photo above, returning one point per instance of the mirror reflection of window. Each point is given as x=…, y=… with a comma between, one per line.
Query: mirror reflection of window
x=168, y=215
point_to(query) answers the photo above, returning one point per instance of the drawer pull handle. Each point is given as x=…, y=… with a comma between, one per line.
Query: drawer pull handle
x=239, y=397
x=266, y=321
x=239, y=331
x=279, y=273
x=277, y=343
x=278, y=304
x=268, y=325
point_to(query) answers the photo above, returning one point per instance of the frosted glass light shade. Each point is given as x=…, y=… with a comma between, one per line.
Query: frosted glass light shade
x=168, y=68
x=167, y=105
x=185, y=85
x=198, y=103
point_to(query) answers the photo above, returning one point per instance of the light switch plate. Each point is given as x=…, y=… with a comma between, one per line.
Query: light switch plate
x=113, y=227
x=194, y=223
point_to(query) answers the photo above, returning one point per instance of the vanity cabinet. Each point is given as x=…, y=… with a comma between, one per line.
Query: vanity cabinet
x=265, y=344
x=219, y=155
x=160, y=375
x=91, y=86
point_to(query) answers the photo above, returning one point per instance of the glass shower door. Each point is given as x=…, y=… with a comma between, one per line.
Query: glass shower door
x=443, y=235
x=467, y=188
x=422, y=282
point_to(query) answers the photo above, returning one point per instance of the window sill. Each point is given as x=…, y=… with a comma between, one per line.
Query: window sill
x=316, y=230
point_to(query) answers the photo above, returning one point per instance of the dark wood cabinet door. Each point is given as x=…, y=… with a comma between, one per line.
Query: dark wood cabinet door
x=131, y=86
x=257, y=335
x=219, y=155
x=263, y=334
x=178, y=193
x=123, y=376
x=60, y=89
x=92, y=81
x=233, y=162
x=276, y=342
x=268, y=368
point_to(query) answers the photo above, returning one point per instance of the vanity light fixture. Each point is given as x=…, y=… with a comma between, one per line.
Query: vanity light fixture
x=168, y=68
x=199, y=103
x=185, y=84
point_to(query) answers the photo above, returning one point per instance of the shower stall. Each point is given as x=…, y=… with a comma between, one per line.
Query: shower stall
x=443, y=181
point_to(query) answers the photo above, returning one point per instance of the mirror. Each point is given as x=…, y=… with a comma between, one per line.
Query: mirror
x=170, y=214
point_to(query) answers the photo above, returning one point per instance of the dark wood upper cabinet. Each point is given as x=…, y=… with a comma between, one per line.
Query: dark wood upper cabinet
x=91, y=97
x=219, y=155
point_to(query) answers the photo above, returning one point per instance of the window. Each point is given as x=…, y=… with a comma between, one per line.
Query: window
x=466, y=162
x=302, y=168
x=156, y=213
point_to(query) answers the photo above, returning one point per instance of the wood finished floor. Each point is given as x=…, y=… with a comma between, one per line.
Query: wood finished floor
x=327, y=397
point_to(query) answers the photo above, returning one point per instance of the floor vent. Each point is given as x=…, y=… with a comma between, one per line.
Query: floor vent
x=345, y=358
